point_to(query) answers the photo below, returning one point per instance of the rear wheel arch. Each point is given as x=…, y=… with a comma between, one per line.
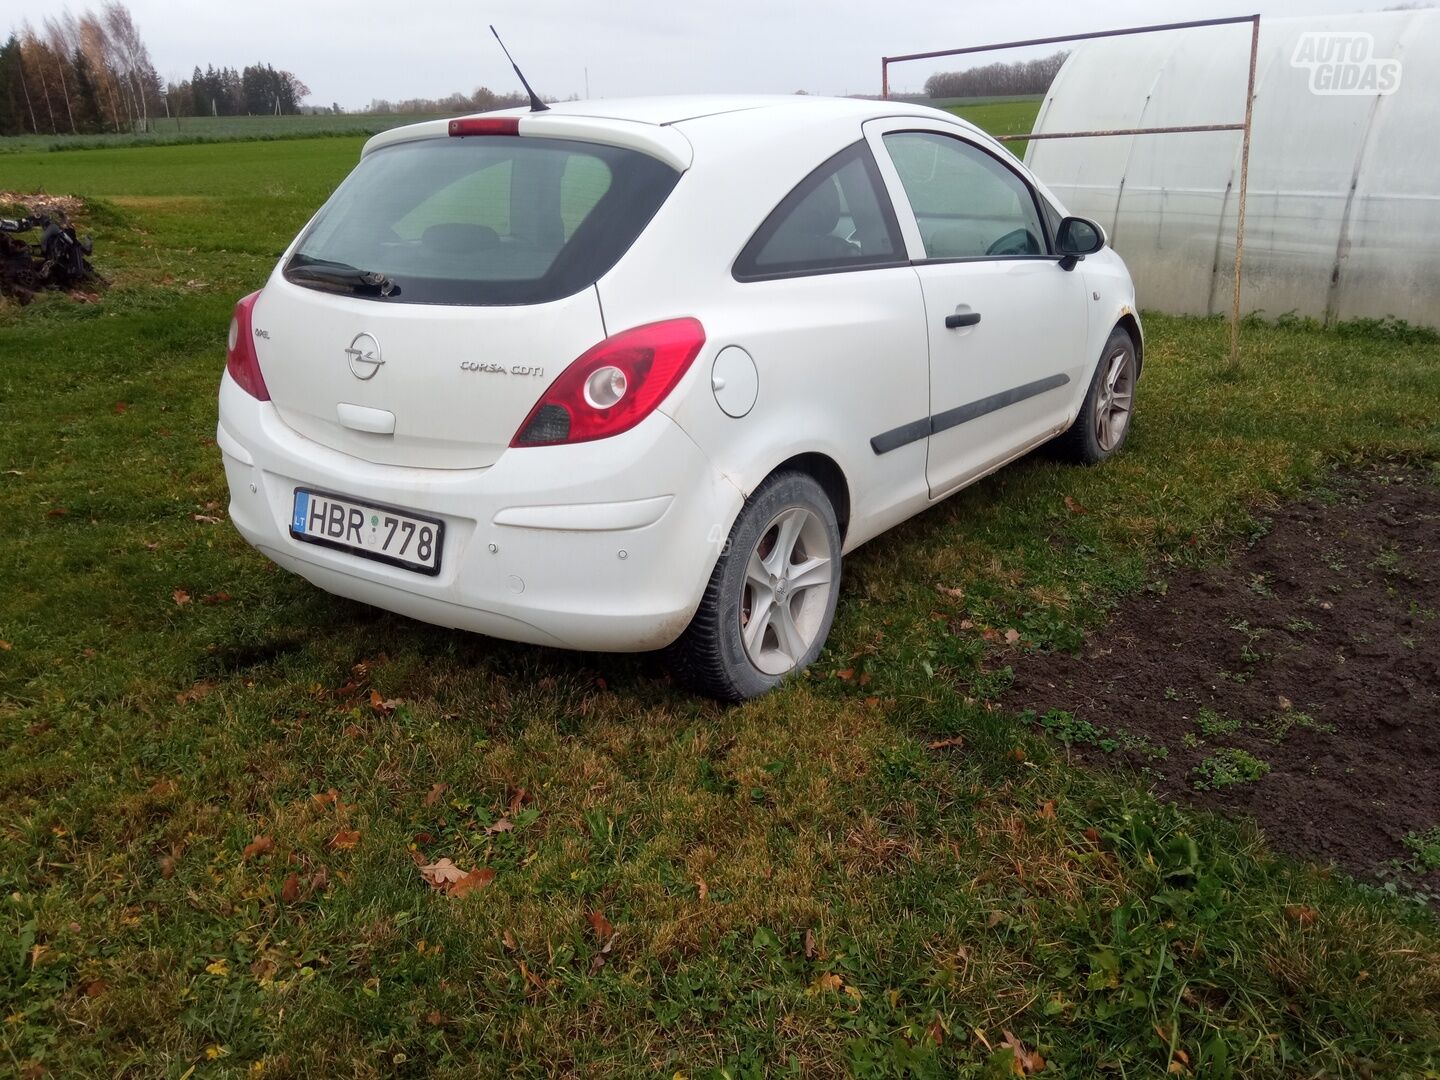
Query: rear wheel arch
x=826, y=472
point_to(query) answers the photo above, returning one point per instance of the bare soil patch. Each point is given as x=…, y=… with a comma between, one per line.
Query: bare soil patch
x=1298, y=682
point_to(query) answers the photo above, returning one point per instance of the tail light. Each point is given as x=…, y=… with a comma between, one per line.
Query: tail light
x=240, y=358
x=614, y=385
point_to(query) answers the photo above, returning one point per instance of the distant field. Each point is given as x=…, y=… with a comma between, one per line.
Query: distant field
x=219, y=129
x=1001, y=116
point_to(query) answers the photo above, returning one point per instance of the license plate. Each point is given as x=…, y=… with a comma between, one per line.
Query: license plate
x=383, y=533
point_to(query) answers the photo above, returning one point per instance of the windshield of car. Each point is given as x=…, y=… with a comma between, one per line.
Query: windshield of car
x=480, y=220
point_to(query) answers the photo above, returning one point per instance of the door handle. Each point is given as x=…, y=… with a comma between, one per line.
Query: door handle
x=968, y=318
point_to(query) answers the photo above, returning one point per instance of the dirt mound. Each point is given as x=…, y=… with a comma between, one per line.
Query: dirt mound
x=1298, y=682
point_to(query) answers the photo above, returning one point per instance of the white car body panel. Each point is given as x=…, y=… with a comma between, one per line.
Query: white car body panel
x=609, y=544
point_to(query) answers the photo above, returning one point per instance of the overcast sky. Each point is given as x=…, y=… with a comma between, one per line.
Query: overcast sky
x=357, y=50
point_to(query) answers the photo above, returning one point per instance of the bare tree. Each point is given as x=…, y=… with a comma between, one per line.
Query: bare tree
x=131, y=57
x=56, y=33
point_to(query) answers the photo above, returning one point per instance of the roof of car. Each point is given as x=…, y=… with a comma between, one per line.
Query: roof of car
x=653, y=124
x=681, y=107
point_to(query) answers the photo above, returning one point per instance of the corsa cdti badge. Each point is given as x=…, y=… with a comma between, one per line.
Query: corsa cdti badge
x=364, y=356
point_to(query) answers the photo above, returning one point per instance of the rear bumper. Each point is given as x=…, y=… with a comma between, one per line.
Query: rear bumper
x=600, y=546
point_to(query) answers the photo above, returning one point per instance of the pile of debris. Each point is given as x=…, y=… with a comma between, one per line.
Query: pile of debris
x=53, y=257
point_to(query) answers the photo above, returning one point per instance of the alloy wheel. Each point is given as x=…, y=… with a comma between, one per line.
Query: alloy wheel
x=787, y=590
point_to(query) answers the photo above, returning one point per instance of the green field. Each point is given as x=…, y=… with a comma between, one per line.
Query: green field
x=1007, y=117
x=188, y=129
x=217, y=778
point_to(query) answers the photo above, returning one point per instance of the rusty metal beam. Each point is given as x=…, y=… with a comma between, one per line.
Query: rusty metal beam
x=1153, y=29
x=1022, y=137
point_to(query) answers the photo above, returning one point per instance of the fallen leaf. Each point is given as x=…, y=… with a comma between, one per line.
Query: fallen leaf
x=320, y=880
x=181, y=597
x=205, y=519
x=196, y=692
x=1012, y=637
x=1026, y=1061
x=956, y=741
x=828, y=981
x=1092, y=834
x=809, y=944
x=120, y=407
x=967, y=624
x=1285, y=703
x=471, y=882
x=56, y=512
x=1018, y=753
x=1047, y=809
x=167, y=866
x=261, y=845
x=434, y=1018
x=345, y=839
x=217, y=598
x=5, y=646
x=163, y=788
x=503, y=825
x=519, y=799
x=1302, y=914
x=871, y=702
x=703, y=888
x=353, y=731
x=435, y=794
x=94, y=987
x=508, y=940
x=598, y=960
x=936, y=1032
x=326, y=798
x=290, y=891
x=530, y=976
x=382, y=705
x=600, y=924
x=846, y=674
x=1074, y=507
x=441, y=874
x=957, y=594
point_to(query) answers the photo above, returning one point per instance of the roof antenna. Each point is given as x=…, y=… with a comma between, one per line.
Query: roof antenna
x=536, y=105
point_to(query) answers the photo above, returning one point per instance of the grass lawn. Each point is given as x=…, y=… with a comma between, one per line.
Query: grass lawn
x=217, y=779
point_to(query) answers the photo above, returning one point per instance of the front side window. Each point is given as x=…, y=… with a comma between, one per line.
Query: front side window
x=837, y=218
x=967, y=204
x=481, y=220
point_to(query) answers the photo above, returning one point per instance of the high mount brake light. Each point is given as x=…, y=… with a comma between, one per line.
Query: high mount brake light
x=613, y=386
x=486, y=125
x=240, y=358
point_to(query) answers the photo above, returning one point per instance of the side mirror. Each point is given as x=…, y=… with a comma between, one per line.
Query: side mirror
x=1076, y=238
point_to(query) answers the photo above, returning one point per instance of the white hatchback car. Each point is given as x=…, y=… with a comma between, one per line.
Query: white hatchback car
x=626, y=375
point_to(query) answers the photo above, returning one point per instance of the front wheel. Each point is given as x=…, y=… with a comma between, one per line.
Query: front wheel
x=770, y=602
x=1104, y=421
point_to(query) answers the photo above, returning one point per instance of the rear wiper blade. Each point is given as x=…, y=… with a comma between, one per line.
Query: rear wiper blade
x=337, y=273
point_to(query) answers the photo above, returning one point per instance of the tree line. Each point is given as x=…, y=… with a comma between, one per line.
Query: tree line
x=91, y=73
x=482, y=100
x=999, y=79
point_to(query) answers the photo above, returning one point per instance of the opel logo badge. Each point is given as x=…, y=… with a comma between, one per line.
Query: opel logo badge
x=364, y=356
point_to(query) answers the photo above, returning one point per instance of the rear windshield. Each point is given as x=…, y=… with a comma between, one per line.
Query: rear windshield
x=481, y=220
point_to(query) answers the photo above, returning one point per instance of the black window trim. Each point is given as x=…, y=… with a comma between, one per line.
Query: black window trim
x=1048, y=255
x=859, y=149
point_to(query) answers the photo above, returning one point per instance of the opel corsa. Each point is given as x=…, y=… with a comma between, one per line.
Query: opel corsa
x=630, y=375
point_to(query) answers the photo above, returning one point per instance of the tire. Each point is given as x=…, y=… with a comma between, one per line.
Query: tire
x=724, y=652
x=1104, y=421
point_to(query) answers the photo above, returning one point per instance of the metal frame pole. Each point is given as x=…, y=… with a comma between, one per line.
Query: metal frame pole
x=1244, y=185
